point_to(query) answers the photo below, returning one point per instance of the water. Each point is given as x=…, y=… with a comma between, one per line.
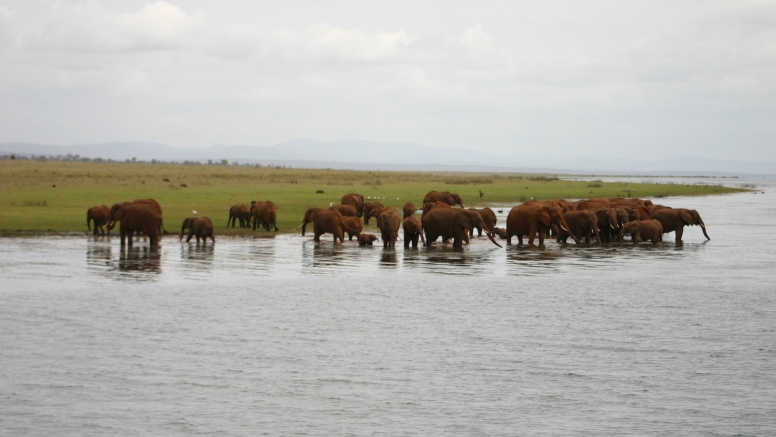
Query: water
x=282, y=336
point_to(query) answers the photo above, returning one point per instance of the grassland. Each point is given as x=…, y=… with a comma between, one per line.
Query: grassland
x=53, y=196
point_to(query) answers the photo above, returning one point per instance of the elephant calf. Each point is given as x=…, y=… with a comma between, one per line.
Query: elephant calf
x=366, y=239
x=413, y=229
x=643, y=229
x=200, y=228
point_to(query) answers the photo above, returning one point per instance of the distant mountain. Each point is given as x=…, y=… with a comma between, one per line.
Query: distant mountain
x=390, y=156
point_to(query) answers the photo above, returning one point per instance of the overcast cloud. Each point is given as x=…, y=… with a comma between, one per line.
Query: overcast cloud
x=638, y=80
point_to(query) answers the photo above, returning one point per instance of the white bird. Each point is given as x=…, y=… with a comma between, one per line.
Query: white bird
x=331, y=204
x=397, y=198
x=368, y=197
x=194, y=212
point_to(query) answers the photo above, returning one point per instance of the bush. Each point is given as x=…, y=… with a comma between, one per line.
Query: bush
x=543, y=178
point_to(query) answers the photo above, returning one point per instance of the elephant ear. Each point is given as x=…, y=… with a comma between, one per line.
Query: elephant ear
x=543, y=215
x=119, y=213
x=686, y=216
x=464, y=220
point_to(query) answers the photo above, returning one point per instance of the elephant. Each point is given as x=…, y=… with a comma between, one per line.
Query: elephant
x=565, y=205
x=449, y=198
x=501, y=232
x=674, y=220
x=413, y=229
x=200, y=228
x=409, y=210
x=488, y=216
x=595, y=203
x=354, y=200
x=632, y=201
x=366, y=239
x=643, y=229
x=608, y=224
x=429, y=206
x=346, y=210
x=388, y=222
x=453, y=223
x=624, y=215
x=353, y=227
x=239, y=213
x=133, y=217
x=532, y=219
x=324, y=221
x=100, y=215
x=264, y=213
x=368, y=207
x=146, y=203
x=583, y=223
x=187, y=222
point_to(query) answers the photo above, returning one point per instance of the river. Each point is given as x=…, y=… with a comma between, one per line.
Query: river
x=283, y=336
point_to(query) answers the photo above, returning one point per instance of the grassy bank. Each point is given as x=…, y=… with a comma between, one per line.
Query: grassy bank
x=54, y=195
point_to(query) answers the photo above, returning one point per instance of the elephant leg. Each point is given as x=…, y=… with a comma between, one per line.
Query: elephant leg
x=479, y=232
x=130, y=237
x=123, y=235
x=542, y=232
x=635, y=237
x=679, y=231
x=191, y=234
x=587, y=236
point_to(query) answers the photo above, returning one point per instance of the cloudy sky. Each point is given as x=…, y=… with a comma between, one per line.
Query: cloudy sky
x=621, y=79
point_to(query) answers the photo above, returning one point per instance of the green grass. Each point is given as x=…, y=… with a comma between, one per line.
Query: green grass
x=54, y=196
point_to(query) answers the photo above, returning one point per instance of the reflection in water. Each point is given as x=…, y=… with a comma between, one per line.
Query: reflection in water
x=139, y=262
x=388, y=258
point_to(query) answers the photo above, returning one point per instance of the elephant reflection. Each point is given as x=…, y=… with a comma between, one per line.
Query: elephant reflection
x=139, y=259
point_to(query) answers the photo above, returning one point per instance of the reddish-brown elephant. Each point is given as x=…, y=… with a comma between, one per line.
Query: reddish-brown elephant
x=583, y=223
x=413, y=229
x=449, y=198
x=134, y=217
x=366, y=239
x=265, y=214
x=239, y=213
x=199, y=227
x=409, y=210
x=324, y=221
x=453, y=223
x=146, y=203
x=346, y=210
x=388, y=223
x=354, y=200
x=488, y=217
x=674, y=220
x=643, y=230
x=369, y=209
x=607, y=224
x=100, y=215
x=531, y=220
x=353, y=227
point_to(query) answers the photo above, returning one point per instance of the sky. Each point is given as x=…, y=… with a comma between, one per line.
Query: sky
x=616, y=79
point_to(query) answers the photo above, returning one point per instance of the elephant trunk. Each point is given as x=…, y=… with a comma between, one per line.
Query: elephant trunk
x=703, y=228
x=88, y=221
x=422, y=238
x=490, y=236
x=597, y=234
x=304, y=226
x=563, y=225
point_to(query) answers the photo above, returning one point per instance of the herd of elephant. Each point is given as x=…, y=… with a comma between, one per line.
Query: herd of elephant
x=602, y=220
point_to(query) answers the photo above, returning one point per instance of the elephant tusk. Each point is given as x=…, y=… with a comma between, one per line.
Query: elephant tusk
x=565, y=229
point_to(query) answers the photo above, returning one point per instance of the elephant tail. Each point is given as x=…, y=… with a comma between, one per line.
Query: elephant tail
x=161, y=225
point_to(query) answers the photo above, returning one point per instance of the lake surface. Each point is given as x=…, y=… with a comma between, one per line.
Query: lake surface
x=283, y=336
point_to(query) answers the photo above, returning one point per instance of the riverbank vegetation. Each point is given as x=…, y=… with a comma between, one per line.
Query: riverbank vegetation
x=53, y=196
